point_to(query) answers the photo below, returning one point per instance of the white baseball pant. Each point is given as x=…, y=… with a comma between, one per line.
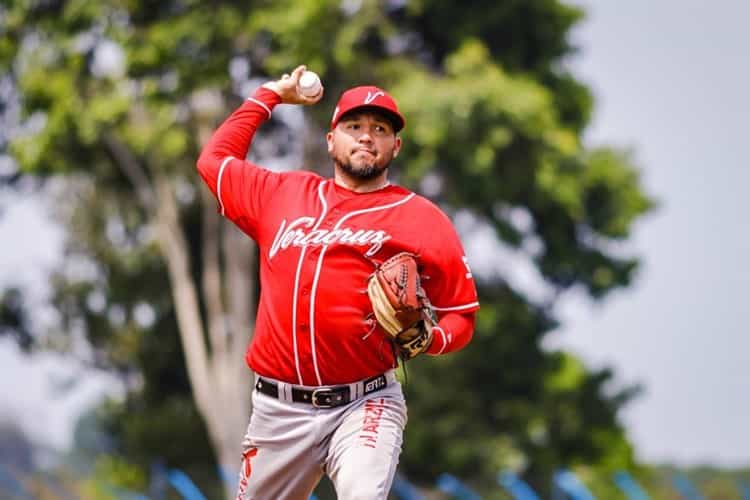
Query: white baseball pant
x=289, y=446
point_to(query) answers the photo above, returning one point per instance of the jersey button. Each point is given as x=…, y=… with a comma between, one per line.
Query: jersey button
x=305, y=291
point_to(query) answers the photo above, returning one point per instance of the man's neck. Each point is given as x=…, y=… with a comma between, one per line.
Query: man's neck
x=360, y=185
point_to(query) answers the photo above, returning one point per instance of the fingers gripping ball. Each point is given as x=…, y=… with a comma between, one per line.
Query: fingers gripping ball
x=309, y=84
x=400, y=304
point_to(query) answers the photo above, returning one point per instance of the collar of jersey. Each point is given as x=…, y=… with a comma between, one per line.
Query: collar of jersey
x=387, y=189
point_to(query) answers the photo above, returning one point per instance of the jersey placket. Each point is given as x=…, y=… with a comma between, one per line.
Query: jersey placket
x=317, y=257
x=308, y=271
x=303, y=318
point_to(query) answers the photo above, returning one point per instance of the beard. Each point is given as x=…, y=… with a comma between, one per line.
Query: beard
x=359, y=169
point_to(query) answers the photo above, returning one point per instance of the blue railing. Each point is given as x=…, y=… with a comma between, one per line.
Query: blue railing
x=516, y=486
x=685, y=487
x=453, y=486
x=627, y=484
x=567, y=486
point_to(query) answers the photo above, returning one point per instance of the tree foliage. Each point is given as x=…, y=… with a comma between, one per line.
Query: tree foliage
x=117, y=98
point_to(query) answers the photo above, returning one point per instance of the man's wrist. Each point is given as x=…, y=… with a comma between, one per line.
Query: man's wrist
x=265, y=98
x=439, y=342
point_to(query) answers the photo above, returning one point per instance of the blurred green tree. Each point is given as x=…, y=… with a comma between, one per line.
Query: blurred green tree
x=116, y=99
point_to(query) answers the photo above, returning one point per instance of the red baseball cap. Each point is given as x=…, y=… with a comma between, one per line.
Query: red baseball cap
x=368, y=96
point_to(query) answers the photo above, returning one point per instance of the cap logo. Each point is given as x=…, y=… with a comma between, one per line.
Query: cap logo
x=371, y=97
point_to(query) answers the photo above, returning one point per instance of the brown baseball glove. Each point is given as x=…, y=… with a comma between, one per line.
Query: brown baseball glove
x=401, y=305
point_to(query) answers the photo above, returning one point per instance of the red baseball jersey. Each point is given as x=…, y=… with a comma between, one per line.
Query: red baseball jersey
x=319, y=243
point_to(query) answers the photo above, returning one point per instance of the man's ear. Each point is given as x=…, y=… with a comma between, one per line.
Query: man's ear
x=396, y=146
x=329, y=141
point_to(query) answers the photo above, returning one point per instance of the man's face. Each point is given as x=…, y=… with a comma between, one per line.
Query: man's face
x=363, y=144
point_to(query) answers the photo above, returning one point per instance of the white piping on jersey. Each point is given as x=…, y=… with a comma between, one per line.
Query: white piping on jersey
x=312, y=316
x=294, y=316
x=445, y=339
x=218, y=181
x=320, y=265
x=295, y=293
x=256, y=101
x=455, y=308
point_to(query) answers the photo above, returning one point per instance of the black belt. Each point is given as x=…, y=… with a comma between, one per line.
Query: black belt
x=325, y=397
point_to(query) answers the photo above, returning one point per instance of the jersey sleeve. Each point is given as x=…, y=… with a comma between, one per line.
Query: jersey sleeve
x=448, y=282
x=452, y=333
x=241, y=187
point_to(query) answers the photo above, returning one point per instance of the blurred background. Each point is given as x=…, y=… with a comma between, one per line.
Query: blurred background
x=589, y=152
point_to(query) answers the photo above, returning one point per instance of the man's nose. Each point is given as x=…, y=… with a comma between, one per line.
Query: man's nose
x=365, y=135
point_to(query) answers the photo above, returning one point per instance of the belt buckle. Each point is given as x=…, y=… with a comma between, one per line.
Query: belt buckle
x=322, y=392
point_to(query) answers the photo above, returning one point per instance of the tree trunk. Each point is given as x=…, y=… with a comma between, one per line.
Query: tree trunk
x=214, y=354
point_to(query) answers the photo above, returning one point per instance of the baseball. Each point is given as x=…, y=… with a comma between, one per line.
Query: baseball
x=309, y=84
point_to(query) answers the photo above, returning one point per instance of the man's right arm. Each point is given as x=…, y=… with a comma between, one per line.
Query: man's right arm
x=232, y=140
x=238, y=185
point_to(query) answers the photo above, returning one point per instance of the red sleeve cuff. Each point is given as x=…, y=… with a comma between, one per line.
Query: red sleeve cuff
x=452, y=333
x=440, y=342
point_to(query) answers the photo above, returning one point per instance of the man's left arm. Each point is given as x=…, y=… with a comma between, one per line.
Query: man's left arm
x=453, y=332
x=449, y=285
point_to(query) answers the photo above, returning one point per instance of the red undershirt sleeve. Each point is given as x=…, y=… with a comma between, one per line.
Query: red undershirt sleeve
x=234, y=136
x=241, y=187
x=452, y=333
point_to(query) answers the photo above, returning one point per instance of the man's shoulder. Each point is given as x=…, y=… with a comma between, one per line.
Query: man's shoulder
x=427, y=206
x=302, y=176
x=299, y=173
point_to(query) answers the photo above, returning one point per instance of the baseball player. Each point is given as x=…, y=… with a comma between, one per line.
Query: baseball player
x=355, y=273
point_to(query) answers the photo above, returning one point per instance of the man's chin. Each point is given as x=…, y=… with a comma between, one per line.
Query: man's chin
x=364, y=166
x=362, y=170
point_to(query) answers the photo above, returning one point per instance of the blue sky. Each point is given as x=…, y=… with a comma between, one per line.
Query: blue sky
x=671, y=80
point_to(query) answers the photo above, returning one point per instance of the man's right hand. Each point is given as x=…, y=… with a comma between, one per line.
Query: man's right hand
x=287, y=88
